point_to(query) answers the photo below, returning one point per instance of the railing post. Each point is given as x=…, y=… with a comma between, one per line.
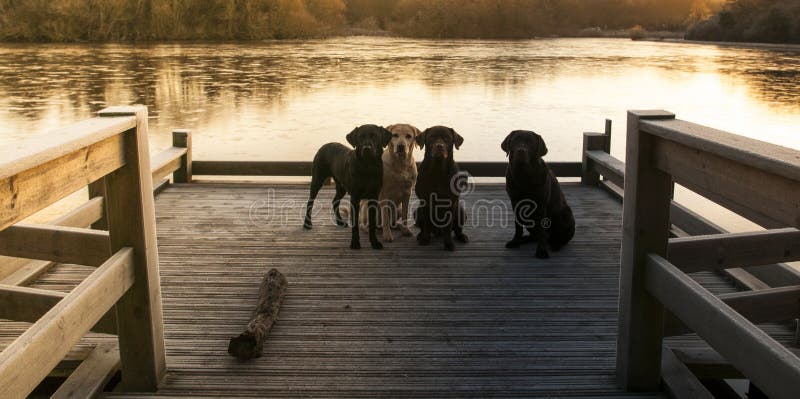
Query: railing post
x=607, y=148
x=591, y=142
x=98, y=189
x=645, y=220
x=130, y=214
x=183, y=139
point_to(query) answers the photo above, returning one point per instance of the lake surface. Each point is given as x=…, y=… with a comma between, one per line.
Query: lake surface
x=282, y=100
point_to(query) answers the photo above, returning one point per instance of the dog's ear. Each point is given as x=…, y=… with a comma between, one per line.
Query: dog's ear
x=420, y=139
x=416, y=134
x=391, y=127
x=457, y=139
x=386, y=138
x=541, y=147
x=507, y=142
x=351, y=138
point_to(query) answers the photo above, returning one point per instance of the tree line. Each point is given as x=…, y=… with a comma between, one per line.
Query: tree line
x=146, y=20
x=770, y=21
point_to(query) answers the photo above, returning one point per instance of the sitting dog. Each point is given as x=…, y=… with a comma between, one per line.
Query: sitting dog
x=539, y=204
x=438, y=188
x=358, y=172
x=399, y=177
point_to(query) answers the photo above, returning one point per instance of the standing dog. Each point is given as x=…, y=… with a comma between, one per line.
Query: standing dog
x=539, y=204
x=399, y=177
x=438, y=188
x=358, y=172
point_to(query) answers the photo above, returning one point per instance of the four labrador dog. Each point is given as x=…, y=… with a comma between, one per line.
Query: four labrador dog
x=383, y=180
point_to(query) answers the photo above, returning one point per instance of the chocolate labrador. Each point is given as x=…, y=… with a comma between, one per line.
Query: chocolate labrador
x=358, y=172
x=438, y=188
x=539, y=204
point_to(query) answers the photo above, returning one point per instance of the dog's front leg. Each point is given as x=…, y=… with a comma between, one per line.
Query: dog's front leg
x=449, y=218
x=372, y=215
x=405, y=203
x=386, y=225
x=355, y=209
x=542, y=248
x=424, y=221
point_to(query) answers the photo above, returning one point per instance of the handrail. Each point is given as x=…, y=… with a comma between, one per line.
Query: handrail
x=111, y=148
x=758, y=180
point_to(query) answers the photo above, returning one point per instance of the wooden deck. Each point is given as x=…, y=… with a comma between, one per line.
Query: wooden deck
x=408, y=321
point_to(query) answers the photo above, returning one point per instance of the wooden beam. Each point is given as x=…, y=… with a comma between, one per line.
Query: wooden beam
x=745, y=280
x=269, y=168
x=680, y=382
x=768, y=305
x=771, y=366
x=611, y=168
x=722, y=251
x=131, y=222
x=30, y=304
x=166, y=162
x=183, y=139
x=706, y=363
x=591, y=142
x=31, y=180
x=46, y=342
x=648, y=193
x=55, y=243
x=770, y=200
x=89, y=379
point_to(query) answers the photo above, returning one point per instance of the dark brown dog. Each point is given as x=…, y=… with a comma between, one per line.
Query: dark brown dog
x=438, y=188
x=539, y=204
x=358, y=172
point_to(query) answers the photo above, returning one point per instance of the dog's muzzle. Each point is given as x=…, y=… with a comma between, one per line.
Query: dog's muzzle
x=400, y=150
x=440, y=150
x=368, y=152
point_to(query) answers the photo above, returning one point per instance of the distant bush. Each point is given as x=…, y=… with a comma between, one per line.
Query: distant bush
x=769, y=21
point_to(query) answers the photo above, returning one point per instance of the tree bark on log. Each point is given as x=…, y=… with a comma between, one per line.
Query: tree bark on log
x=250, y=343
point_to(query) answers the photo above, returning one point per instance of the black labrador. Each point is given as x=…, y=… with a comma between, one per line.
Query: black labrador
x=438, y=187
x=539, y=204
x=358, y=172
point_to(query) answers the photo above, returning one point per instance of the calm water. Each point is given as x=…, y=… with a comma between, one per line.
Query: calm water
x=282, y=100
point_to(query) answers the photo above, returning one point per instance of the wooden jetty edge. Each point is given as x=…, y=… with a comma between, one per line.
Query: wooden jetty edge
x=662, y=241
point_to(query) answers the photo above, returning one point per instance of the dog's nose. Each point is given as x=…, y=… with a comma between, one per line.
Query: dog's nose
x=440, y=146
x=401, y=148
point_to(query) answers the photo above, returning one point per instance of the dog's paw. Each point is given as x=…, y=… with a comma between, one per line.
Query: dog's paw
x=355, y=245
x=449, y=246
x=376, y=245
x=307, y=224
x=542, y=253
x=388, y=237
x=462, y=238
x=513, y=244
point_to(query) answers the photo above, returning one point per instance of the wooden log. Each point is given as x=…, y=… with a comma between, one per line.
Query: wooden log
x=250, y=343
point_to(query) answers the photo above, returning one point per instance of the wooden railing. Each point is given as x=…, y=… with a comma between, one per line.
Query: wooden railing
x=122, y=296
x=756, y=180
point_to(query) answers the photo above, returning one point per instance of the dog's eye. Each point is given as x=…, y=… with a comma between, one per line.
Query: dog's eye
x=408, y=136
x=394, y=135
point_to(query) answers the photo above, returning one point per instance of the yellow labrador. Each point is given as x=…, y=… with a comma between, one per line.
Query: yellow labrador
x=399, y=177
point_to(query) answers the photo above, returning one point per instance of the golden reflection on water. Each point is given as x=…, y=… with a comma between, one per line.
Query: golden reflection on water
x=282, y=100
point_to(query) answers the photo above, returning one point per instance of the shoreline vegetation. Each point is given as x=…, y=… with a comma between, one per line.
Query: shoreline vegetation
x=100, y=21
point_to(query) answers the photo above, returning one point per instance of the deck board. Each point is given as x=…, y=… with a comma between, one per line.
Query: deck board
x=408, y=321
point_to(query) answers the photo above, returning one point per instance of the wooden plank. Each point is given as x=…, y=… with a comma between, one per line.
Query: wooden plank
x=55, y=243
x=89, y=379
x=30, y=304
x=706, y=363
x=648, y=194
x=691, y=222
x=722, y=251
x=775, y=159
x=678, y=379
x=775, y=369
x=608, y=166
x=33, y=189
x=591, y=142
x=183, y=139
x=131, y=220
x=745, y=280
x=767, y=305
x=269, y=168
x=50, y=338
x=768, y=199
x=166, y=162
